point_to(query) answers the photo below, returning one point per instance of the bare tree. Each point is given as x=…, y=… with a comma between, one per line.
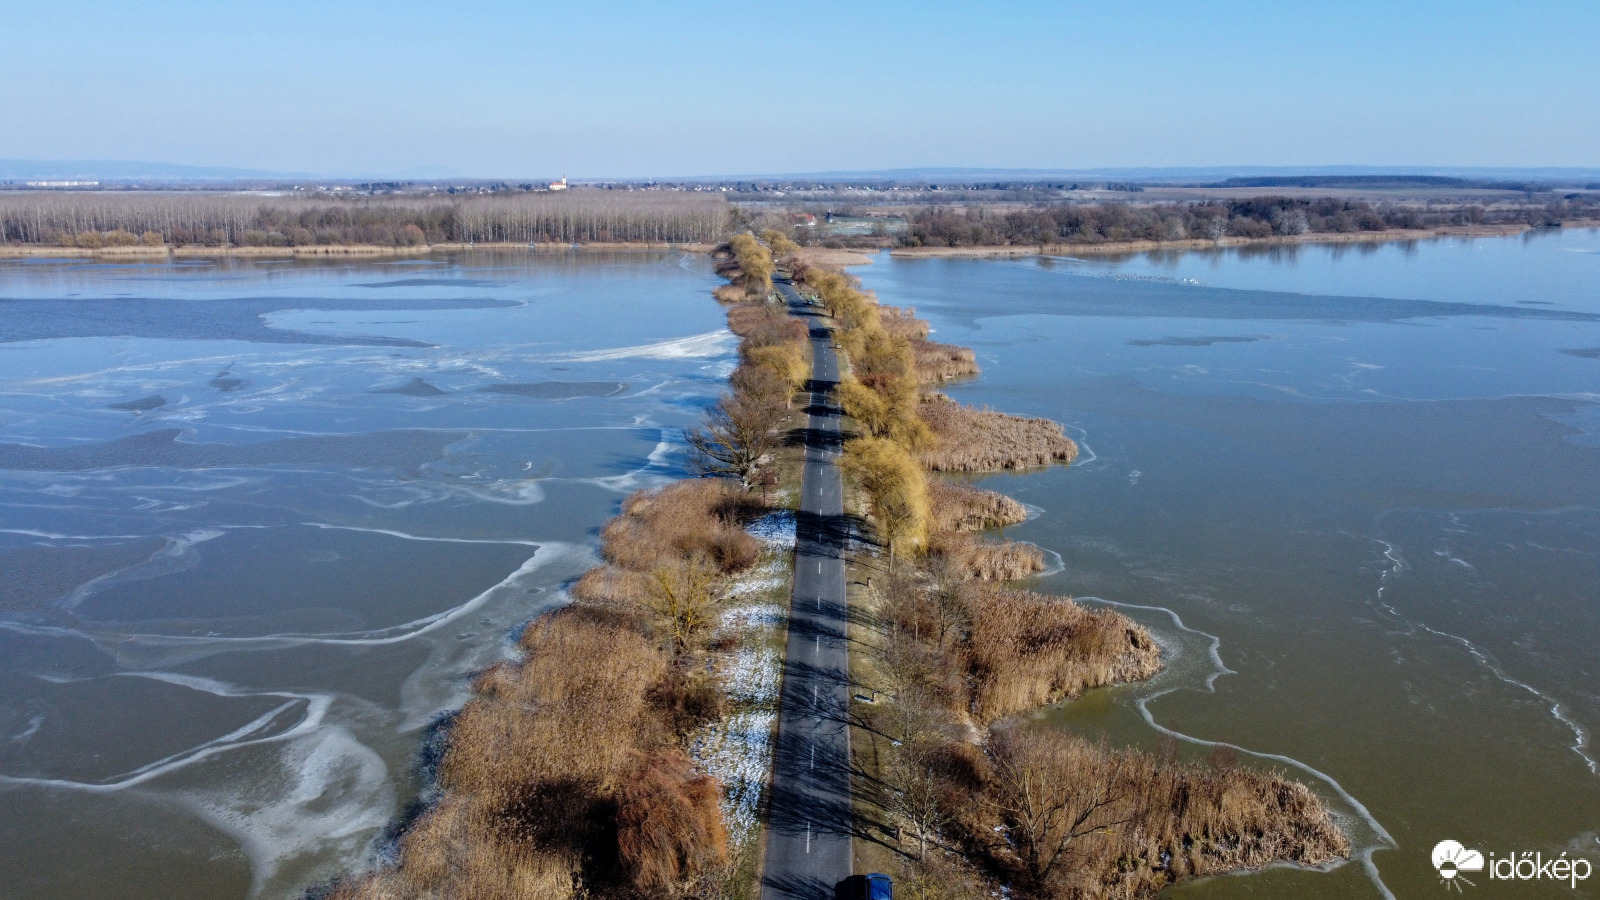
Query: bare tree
x=1053, y=789
x=682, y=597
x=920, y=791
x=740, y=431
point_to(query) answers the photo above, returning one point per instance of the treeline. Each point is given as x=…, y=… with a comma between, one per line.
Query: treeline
x=213, y=220
x=1253, y=218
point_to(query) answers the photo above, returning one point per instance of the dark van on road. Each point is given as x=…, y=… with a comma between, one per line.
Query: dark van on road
x=865, y=887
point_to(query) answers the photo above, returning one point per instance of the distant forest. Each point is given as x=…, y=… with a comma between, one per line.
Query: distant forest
x=578, y=216
x=1256, y=218
x=100, y=219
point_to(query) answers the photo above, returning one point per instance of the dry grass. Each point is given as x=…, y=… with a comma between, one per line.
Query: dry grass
x=988, y=652
x=699, y=519
x=728, y=293
x=1146, y=821
x=1028, y=650
x=543, y=763
x=959, y=507
x=938, y=362
x=980, y=440
x=765, y=324
x=823, y=257
x=902, y=322
x=975, y=558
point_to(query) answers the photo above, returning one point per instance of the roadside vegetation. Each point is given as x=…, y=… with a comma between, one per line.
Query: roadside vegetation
x=974, y=799
x=623, y=754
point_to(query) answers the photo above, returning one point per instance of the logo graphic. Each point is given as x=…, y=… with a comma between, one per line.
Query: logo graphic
x=1452, y=859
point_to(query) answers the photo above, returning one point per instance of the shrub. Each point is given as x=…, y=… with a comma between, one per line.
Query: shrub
x=669, y=826
x=686, y=519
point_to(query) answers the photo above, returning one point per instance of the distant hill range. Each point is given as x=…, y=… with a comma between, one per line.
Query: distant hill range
x=1237, y=176
x=1391, y=182
x=126, y=170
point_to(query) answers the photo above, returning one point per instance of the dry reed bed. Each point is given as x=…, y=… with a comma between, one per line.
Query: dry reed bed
x=1042, y=810
x=902, y=321
x=1027, y=650
x=984, y=559
x=565, y=774
x=938, y=362
x=959, y=507
x=1147, y=821
x=981, y=440
x=1010, y=651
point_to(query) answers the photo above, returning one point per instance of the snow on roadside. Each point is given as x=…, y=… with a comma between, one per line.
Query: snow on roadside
x=737, y=750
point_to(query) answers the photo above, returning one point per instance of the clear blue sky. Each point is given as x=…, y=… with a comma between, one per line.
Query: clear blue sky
x=634, y=89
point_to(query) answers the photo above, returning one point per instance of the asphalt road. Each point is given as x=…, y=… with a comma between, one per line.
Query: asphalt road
x=808, y=833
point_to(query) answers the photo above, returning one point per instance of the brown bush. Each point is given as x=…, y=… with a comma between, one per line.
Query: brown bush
x=765, y=324
x=980, y=440
x=1028, y=650
x=669, y=825
x=728, y=293
x=959, y=507
x=699, y=518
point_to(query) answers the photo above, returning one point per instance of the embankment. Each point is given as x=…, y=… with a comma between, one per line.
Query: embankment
x=571, y=771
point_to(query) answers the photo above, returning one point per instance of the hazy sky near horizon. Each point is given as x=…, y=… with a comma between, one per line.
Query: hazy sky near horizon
x=660, y=89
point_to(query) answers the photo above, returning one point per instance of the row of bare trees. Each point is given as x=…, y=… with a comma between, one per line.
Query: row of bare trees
x=575, y=216
x=1078, y=223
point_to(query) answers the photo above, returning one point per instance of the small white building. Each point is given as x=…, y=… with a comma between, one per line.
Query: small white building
x=559, y=185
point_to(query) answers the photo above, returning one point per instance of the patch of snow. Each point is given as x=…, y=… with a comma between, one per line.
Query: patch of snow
x=775, y=530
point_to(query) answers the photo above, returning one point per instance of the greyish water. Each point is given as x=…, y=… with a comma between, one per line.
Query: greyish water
x=261, y=521
x=1355, y=492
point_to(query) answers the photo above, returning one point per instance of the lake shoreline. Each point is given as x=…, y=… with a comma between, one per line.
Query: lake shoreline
x=842, y=257
x=1128, y=247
